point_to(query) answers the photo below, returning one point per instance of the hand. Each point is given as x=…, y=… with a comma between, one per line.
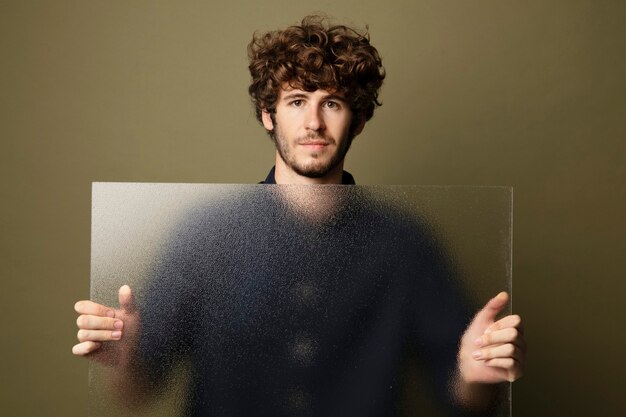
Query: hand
x=492, y=351
x=105, y=334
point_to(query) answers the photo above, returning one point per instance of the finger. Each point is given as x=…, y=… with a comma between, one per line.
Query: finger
x=95, y=309
x=512, y=320
x=508, y=335
x=506, y=363
x=85, y=348
x=126, y=299
x=89, y=322
x=512, y=368
x=98, y=335
x=493, y=307
x=507, y=350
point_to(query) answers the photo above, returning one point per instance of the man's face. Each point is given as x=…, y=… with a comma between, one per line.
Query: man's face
x=311, y=131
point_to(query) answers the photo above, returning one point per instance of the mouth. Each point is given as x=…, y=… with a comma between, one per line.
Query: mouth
x=314, y=144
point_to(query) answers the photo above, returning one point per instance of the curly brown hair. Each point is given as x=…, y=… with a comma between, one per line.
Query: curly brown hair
x=315, y=56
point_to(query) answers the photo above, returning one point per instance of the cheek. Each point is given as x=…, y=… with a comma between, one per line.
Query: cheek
x=342, y=126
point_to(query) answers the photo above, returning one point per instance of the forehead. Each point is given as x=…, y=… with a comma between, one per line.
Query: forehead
x=288, y=91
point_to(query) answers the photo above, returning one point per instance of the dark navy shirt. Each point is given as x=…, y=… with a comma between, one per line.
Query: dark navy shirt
x=279, y=316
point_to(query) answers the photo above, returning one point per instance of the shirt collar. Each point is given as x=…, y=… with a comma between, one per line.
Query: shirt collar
x=346, y=178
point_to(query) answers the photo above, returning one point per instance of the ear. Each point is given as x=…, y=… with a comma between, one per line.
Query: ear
x=267, y=120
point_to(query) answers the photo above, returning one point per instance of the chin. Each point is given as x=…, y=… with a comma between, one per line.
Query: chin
x=315, y=172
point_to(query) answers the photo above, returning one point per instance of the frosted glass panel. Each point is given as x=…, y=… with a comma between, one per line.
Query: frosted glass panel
x=271, y=300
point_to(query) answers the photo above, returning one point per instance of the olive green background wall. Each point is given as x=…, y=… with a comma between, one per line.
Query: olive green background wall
x=524, y=93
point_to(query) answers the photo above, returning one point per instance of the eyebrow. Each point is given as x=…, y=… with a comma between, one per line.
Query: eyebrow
x=292, y=96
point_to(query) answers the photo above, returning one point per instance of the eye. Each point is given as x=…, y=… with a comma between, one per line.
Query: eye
x=296, y=103
x=333, y=105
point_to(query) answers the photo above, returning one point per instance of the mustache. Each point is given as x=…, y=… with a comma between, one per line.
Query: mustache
x=315, y=139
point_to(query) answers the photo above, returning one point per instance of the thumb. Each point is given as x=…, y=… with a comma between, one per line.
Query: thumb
x=126, y=299
x=492, y=308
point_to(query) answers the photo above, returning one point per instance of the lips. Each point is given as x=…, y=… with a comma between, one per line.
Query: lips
x=314, y=141
x=314, y=145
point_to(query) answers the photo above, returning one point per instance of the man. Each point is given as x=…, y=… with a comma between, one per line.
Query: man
x=314, y=87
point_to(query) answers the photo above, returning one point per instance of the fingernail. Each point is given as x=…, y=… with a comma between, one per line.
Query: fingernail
x=110, y=313
x=476, y=354
x=118, y=324
x=479, y=341
x=116, y=334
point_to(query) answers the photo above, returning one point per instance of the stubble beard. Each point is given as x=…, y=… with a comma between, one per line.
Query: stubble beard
x=318, y=168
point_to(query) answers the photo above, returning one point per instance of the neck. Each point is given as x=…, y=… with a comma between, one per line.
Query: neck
x=283, y=174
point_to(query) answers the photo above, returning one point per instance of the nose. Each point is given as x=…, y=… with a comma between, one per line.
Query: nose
x=315, y=119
